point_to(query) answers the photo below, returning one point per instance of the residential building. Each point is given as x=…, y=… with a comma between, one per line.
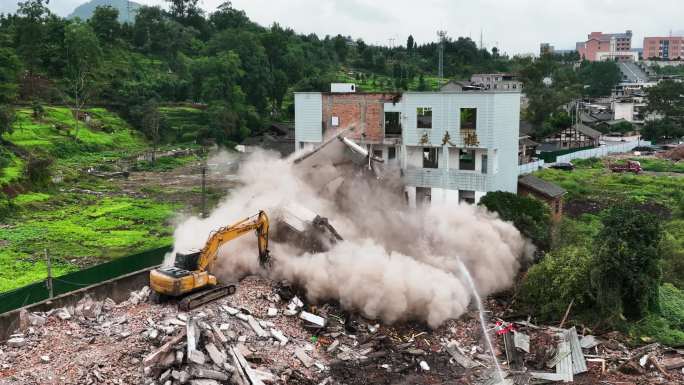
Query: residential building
x=496, y=81
x=548, y=192
x=664, y=48
x=576, y=136
x=451, y=146
x=607, y=46
x=630, y=109
x=546, y=49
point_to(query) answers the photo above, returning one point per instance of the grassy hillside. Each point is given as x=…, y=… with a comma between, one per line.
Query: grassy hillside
x=79, y=218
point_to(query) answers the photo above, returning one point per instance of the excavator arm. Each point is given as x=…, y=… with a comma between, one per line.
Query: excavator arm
x=258, y=222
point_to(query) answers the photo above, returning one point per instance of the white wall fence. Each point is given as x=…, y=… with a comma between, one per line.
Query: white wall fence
x=598, y=152
x=531, y=167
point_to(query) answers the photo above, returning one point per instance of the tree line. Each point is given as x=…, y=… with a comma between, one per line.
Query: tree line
x=241, y=72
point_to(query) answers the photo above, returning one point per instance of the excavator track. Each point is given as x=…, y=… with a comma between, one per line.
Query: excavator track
x=200, y=298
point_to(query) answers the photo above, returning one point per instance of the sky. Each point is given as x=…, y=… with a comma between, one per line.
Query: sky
x=515, y=26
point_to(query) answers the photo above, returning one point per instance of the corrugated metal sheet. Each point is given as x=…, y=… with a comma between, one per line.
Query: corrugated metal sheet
x=564, y=365
x=579, y=364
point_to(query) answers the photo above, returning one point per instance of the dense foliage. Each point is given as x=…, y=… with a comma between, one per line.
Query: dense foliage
x=626, y=271
x=666, y=102
x=529, y=215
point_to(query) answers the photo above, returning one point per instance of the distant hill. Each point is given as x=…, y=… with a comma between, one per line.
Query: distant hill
x=85, y=10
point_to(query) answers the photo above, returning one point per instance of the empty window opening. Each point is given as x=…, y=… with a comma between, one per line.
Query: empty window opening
x=466, y=196
x=468, y=119
x=430, y=157
x=466, y=160
x=391, y=153
x=423, y=196
x=392, y=124
x=424, y=117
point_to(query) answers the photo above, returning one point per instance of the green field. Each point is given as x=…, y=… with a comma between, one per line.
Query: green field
x=78, y=229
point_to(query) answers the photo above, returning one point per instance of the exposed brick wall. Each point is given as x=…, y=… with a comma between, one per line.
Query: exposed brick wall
x=363, y=111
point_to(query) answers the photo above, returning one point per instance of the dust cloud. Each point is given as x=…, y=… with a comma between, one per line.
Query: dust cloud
x=395, y=263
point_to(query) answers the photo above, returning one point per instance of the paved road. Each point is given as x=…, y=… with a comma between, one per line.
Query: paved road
x=632, y=72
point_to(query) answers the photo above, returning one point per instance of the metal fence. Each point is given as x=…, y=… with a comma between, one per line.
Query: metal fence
x=38, y=291
x=599, y=152
x=596, y=152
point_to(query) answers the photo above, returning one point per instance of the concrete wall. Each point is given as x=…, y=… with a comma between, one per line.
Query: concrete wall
x=117, y=289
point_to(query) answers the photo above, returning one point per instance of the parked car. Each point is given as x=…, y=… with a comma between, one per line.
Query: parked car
x=567, y=166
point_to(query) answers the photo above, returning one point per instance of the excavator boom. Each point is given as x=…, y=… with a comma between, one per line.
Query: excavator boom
x=191, y=272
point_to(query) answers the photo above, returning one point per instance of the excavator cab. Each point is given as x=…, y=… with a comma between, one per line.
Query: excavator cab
x=189, y=274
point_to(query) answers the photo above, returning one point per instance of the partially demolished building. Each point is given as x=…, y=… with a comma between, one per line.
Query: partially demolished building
x=451, y=146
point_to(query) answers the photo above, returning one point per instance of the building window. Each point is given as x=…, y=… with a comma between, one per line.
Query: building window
x=335, y=121
x=430, y=157
x=468, y=118
x=466, y=196
x=423, y=196
x=424, y=117
x=391, y=153
x=377, y=154
x=484, y=163
x=466, y=160
x=392, y=124
x=557, y=206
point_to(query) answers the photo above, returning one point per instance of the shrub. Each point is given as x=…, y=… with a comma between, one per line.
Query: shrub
x=530, y=216
x=626, y=271
x=37, y=170
x=559, y=278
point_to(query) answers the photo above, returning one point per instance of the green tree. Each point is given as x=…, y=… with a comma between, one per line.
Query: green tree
x=530, y=216
x=622, y=127
x=341, y=48
x=561, y=277
x=84, y=59
x=660, y=129
x=626, y=270
x=421, y=83
x=667, y=100
x=151, y=121
x=7, y=117
x=409, y=43
x=599, y=77
x=105, y=23
x=31, y=32
x=9, y=74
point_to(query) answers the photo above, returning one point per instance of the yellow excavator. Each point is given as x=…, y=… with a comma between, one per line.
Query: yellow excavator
x=190, y=277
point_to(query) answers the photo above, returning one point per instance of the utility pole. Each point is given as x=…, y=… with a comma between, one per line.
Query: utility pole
x=440, y=71
x=48, y=282
x=204, y=190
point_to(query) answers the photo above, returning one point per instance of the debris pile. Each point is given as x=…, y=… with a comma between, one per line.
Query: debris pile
x=266, y=333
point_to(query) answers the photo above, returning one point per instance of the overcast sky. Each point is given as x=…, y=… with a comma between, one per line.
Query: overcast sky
x=515, y=26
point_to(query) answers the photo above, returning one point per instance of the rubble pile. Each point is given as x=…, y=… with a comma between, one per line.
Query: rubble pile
x=266, y=333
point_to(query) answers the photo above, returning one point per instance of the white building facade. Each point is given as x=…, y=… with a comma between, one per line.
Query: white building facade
x=451, y=147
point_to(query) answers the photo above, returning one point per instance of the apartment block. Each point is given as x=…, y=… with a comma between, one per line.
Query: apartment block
x=601, y=46
x=496, y=81
x=666, y=48
x=450, y=146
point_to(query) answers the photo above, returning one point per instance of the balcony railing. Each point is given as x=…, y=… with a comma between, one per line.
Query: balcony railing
x=447, y=179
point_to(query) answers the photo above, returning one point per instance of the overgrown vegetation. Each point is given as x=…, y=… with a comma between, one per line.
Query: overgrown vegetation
x=530, y=215
x=617, y=255
x=77, y=230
